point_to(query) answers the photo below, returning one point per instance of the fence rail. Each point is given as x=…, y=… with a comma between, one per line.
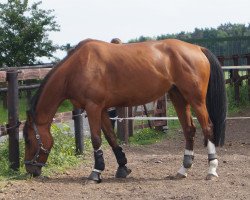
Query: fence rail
x=27, y=74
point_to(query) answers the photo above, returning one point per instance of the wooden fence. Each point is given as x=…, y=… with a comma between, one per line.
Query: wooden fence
x=235, y=79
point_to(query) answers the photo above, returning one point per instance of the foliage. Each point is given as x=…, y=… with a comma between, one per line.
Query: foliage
x=222, y=31
x=244, y=103
x=24, y=33
x=147, y=136
x=62, y=155
x=226, y=40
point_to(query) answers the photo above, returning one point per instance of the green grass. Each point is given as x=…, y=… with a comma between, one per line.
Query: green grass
x=146, y=136
x=244, y=101
x=150, y=136
x=61, y=158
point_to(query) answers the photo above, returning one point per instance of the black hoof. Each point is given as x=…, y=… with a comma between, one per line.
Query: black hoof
x=95, y=177
x=122, y=172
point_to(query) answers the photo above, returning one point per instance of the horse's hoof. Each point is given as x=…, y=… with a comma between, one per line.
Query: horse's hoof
x=211, y=177
x=122, y=172
x=179, y=176
x=94, y=177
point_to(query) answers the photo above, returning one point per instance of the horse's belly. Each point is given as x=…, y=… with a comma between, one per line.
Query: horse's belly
x=143, y=93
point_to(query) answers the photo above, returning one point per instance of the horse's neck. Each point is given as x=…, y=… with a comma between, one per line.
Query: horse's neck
x=50, y=98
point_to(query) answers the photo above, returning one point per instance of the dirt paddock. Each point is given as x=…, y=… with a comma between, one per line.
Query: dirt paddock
x=152, y=168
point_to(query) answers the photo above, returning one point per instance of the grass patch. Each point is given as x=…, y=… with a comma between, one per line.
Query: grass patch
x=146, y=136
x=244, y=103
x=151, y=136
x=61, y=158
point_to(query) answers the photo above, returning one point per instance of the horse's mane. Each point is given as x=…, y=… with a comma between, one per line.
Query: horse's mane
x=36, y=97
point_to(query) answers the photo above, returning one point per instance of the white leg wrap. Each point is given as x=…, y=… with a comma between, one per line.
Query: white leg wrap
x=213, y=164
x=97, y=170
x=189, y=152
x=211, y=148
x=183, y=171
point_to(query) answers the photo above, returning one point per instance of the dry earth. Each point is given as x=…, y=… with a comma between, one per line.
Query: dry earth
x=152, y=167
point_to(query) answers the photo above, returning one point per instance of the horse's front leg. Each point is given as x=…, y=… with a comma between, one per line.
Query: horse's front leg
x=122, y=171
x=94, y=118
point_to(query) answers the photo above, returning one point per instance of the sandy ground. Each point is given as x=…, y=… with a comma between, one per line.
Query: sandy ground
x=152, y=168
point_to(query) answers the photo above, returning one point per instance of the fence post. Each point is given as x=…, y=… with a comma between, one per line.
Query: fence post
x=78, y=124
x=122, y=126
x=236, y=80
x=13, y=130
x=221, y=60
x=28, y=92
x=161, y=106
x=248, y=74
x=130, y=122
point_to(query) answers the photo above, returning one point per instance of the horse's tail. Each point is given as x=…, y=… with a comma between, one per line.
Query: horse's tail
x=216, y=98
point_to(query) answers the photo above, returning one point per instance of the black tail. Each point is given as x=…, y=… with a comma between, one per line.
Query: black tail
x=216, y=98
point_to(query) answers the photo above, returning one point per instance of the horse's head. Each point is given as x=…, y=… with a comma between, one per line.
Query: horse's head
x=38, y=142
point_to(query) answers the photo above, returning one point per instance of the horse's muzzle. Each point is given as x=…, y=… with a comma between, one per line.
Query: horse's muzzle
x=33, y=170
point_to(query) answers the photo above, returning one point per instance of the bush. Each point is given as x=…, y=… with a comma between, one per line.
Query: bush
x=62, y=155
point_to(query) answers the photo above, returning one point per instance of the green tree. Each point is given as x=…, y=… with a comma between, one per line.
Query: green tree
x=24, y=32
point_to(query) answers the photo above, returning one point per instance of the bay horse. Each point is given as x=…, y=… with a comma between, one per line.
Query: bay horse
x=97, y=75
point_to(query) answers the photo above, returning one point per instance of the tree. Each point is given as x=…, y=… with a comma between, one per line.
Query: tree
x=24, y=33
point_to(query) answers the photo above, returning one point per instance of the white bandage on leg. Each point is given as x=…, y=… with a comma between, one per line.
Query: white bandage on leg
x=183, y=171
x=213, y=163
x=211, y=147
x=189, y=152
x=97, y=170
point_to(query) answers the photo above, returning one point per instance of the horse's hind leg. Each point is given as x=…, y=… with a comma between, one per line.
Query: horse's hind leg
x=183, y=111
x=207, y=128
x=122, y=171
